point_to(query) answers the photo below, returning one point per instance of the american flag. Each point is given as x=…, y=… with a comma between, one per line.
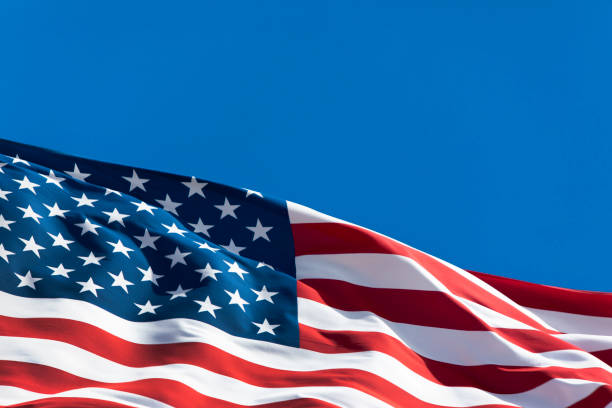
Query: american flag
x=126, y=287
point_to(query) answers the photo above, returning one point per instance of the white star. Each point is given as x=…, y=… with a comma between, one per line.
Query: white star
x=263, y=294
x=115, y=216
x=208, y=271
x=195, y=187
x=53, y=179
x=2, y=164
x=179, y=292
x=84, y=201
x=206, y=246
x=29, y=213
x=227, y=209
x=135, y=181
x=59, y=240
x=76, y=173
x=4, y=193
x=235, y=268
x=169, y=205
x=149, y=275
x=142, y=206
x=259, y=231
x=31, y=245
x=173, y=229
x=119, y=247
x=87, y=226
x=16, y=160
x=119, y=280
x=27, y=280
x=147, y=308
x=60, y=270
x=263, y=264
x=108, y=191
x=147, y=240
x=233, y=247
x=177, y=257
x=235, y=299
x=252, y=192
x=90, y=286
x=207, y=306
x=200, y=227
x=55, y=211
x=4, y=223
x=91, y=259
x=266, y=327
x=4, y=254
x=26, y=184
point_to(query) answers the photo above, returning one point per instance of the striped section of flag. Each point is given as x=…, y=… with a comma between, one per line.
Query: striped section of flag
x=462, y=339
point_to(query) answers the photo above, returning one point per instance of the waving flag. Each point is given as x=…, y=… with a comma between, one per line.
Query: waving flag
x=125, y=287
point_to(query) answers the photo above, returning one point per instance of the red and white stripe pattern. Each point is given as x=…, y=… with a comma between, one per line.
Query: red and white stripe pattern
x=381, y=325
x=429, y=334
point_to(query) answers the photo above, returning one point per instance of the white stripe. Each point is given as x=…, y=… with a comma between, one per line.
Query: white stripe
x=450, y=346
x=556, y=393
x=587, y=342
x=390, y=271
x=14, y=395
x=84, y=364
x=492, y=317
x=575, y=323
x=371, y=270
x=300, y=214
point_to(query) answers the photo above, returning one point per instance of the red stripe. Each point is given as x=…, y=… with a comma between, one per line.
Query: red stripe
x=106, y=345
x=551, y=297
x=335, y=238
x=398, y=305
x=68, y=403
x=604, y=355
x=534, y=340
x=49, y=380
x=62, y=402
x=599, y=398
x=45, y=379
x=490, y=378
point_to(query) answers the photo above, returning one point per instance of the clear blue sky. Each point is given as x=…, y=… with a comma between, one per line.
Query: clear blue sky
x=480, y=134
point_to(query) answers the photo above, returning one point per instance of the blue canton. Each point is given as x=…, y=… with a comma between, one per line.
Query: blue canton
x=146, y=245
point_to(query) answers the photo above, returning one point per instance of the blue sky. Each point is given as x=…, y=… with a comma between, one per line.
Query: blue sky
x=480, y=134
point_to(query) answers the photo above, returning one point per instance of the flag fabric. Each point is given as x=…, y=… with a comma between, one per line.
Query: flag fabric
x=126, y=287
